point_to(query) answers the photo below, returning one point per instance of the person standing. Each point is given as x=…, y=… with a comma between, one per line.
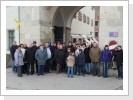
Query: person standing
x=70, y=61
x=66, y=55
x=70, y=46
x=95, y=59
x=114, y=53
x=12, y=51
x=49, y=60
x=81, y=62
x=18, y=58
x=87, y=58
x=35, y=48
x=25, y=46
x=53, y=49
x=41, y=57
x=119, y=62
x=105, y=57
x=59, y=59
x=30, y=58
x=83, y=46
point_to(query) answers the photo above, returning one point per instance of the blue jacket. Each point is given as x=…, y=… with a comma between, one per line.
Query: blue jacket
x=105, y=56
x=81, y=59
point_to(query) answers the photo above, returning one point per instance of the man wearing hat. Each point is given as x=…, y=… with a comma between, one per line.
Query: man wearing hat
x=35, y=48
x=119, y=62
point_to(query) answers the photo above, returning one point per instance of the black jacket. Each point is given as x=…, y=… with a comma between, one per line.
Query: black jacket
x=29, y=55
x=66, y=55
x=60, y=56
x=12, y=51
x=81, y=59
x=53, y=49
x=119, y=58
x=87, y=57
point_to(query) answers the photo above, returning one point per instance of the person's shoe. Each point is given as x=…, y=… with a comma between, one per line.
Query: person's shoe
x=83, y=75
x=94, y=75
x=49, y=72
x=119, y=78
x=71, y=77
x=98, y=75
x=38, y=75
x=42, y=74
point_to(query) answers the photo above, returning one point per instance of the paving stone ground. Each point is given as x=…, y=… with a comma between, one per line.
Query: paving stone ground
x=53, y=81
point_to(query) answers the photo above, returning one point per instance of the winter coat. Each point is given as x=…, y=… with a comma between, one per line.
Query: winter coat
x=66, y=55
x=64, y=49
x=119, y=58
x=87, y=57
x=70, y=61
x=105, y=56
x=81, y=59
x=13, y=50
x=30, y=55
x=41, y=56
x=53, y=49
x=114, y=55
x=18, y=58
x=95, y=54
x=60, y=56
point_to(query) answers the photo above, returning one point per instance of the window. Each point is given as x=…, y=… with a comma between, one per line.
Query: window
x=96, y=34
x=92, y=22
x=96, y=23
x=79, y=16
x=84, y=18
x=11, y=37
x=75, y=16
x=74, y=40
x=88, y=20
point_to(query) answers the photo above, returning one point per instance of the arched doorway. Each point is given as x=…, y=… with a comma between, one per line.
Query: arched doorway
x=63, y=15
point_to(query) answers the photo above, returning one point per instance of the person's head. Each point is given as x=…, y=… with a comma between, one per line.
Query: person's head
x=22, y=46
x=25, y=45
x=41, y=46
x=83, y=45
x=95, y=44
x=30, y=45
x=47, y=44
x=106, y=47
x=78, y=47
x=116, y=48
x=119, y=47
x=70, y=54
x=74, y=44
x=14, y=43
x=69, y=49
x=87, y=45
x=19, y=48
x=34, y=43
x=63, y=44
x=54, y=43
x=70, y=43
x=60, y=47
x=80, y=51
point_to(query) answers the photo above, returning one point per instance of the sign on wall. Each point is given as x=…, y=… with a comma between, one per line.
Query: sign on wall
x=113, y=34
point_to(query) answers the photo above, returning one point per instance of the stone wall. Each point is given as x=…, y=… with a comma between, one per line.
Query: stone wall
x=111, y=20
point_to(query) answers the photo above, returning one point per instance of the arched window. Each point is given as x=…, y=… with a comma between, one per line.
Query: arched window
x=88, y=20
x=79, y=16
x=84, y=18
x=92, y=22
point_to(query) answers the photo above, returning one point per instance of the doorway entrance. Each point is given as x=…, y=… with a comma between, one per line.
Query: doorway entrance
x=58, y=33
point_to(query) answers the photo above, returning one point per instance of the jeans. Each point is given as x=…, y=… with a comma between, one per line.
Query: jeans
x=105, y=69
x=32, y=68
x=81, y=68
x=96, y=68
x=14, y=69
x=40, y=69
x=48, y=65
x=70, y=69
x=74, y=69
x=87, y=67
x=19, y=70
x=120, y=71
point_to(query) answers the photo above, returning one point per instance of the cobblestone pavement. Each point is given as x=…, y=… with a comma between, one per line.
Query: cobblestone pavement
x=53, y=81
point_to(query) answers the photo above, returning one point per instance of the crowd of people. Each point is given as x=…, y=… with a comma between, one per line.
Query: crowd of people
x=74, y=59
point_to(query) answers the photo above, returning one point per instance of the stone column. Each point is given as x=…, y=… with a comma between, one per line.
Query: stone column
x=68, y=34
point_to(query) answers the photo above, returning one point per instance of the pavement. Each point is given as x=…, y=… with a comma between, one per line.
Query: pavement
x=53, y=81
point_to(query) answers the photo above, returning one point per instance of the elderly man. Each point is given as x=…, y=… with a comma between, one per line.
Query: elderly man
x=95, y=59
x=41, y=57
x=12, y=51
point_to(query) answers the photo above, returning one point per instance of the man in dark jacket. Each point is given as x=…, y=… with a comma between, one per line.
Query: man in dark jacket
x=12, y=51
x=30, y=58
x=87, y=58
x=114, y=53
x=53, y=49
x=119, y=62
x=35, y=48
x=59, y=59
x=70, y=46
